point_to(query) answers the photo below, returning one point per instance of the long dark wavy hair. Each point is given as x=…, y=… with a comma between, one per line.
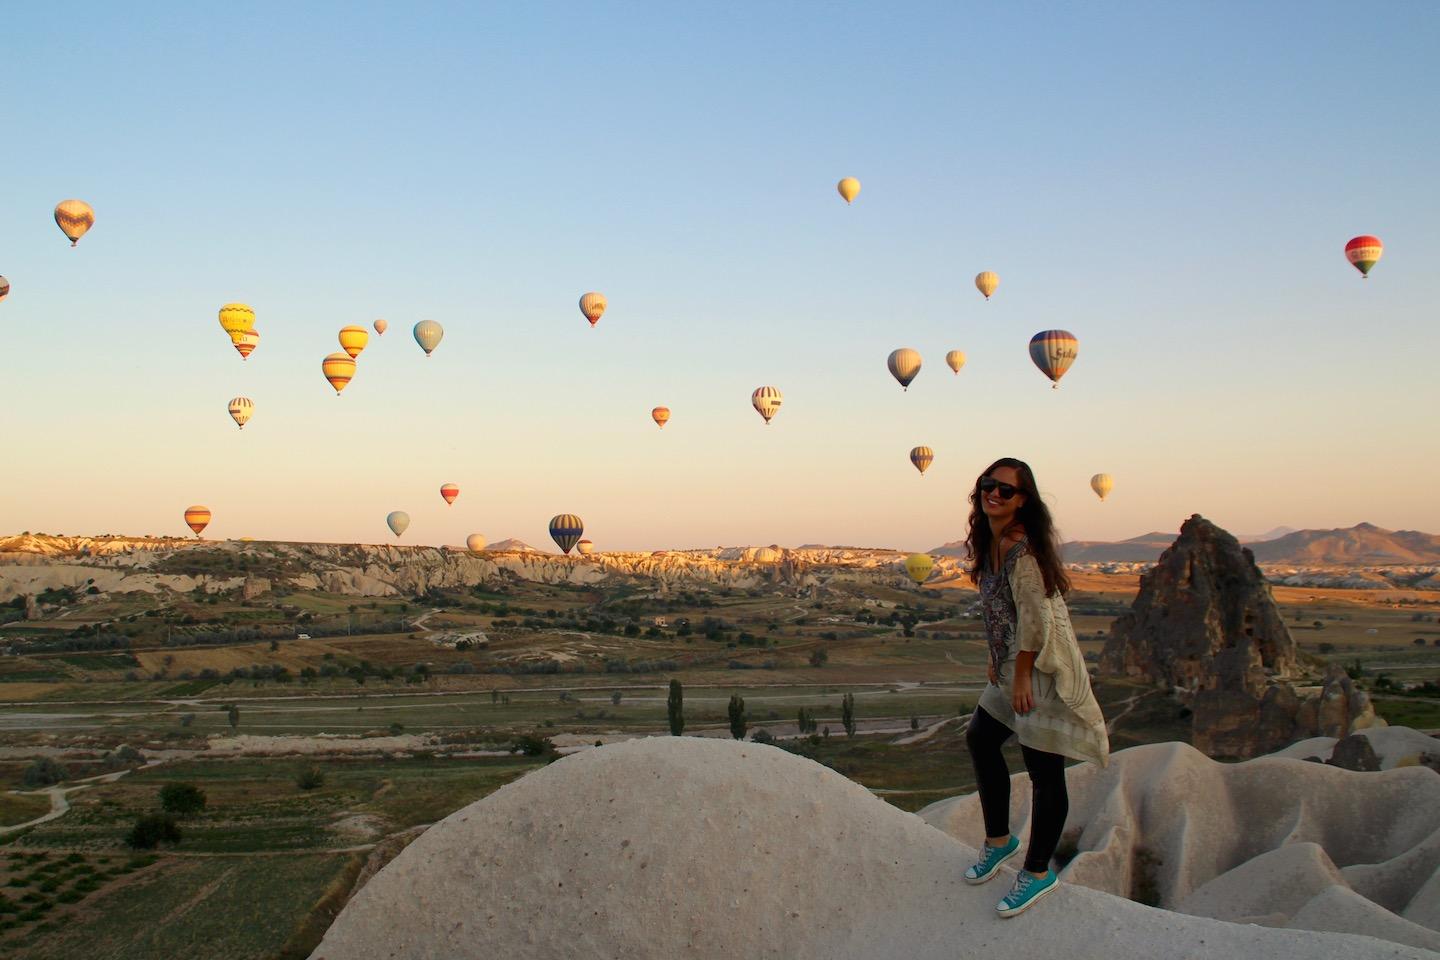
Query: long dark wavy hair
x=1033, y=518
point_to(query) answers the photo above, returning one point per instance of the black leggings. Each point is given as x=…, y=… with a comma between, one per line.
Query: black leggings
x=1049, y=803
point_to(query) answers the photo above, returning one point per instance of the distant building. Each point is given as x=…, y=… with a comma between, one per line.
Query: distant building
x=660, y=622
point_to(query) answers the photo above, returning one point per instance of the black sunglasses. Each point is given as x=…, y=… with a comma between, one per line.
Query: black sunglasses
x=1006, y=491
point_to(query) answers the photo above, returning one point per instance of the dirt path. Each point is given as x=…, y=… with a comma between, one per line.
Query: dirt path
x=926, y=733
x=59, y=803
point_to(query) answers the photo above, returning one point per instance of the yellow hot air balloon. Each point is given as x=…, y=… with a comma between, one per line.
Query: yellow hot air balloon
x=1102, y=484
x=849, y=189
x=353, y=339
x=475, y=543
x=922, y=457
x=766, y=401
x=339, y=369
x=919, y=566
x=956, y=359
x=986, y=282
x=593, y=305
x=245, y=342
x=236, y=318
x=240, y=410
x=74, y=218
x=197, y=518
x=381, y=326
x=428, y=334
x=904, y=365
x=661, y=416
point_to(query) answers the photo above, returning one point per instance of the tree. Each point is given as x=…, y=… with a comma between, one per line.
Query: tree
x=153, y=829
x=233, y=715
x=675, y=708
x=310, y=778
x=818, y=658
x=738, y=722
x=44, y=772
x=615, y=698
x=847, y=714
x=274, y=645
x=182, y=799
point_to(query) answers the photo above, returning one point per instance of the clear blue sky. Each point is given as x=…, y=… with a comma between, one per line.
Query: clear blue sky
x=1174, y=183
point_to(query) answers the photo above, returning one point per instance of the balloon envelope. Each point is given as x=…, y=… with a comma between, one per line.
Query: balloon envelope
x=197, y=518
x=428, y=334
x=4, y=288
x=849, y=189
x=766, y=401
x=922, y=457
x=240, y=410
x=398, y=520
x=236, y=318
x=449, y=492
x=661, y=416
x=381, y=326
x=353, y=339
x=1102, y=484
x=956, y=359
x=918, y=566
x=1363, y=252
x=475, y=544
x=585, y=548
x=245, y=342
x=904, y=364
x=1053, y=351
x=986, y=282
x=593, y=305
x=74, y=218
x=565, y=530
x=339, y=369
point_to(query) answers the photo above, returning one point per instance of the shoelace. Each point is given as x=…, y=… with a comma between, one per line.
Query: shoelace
x=1022, y=885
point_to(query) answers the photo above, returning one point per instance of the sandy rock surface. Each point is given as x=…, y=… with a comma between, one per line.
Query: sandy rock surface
x=677, y=847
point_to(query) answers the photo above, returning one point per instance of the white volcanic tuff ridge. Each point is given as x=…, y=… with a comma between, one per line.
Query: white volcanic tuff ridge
x=1274, y=840
x=687, y=847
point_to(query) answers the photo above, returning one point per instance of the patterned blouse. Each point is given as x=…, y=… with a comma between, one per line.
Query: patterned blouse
x=998, y=607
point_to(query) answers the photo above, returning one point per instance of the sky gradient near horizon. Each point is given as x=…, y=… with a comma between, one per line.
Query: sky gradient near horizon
x=1173, y=183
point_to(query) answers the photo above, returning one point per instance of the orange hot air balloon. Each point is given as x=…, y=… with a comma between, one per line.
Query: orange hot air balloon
x=449, y=491
x=593, y=305
x=339, y=369
x=1363, y=253
x=197, y=518
x=381, y=326
x=246, y=342
x=353, y=339
x=74, y=218
x=661, y=416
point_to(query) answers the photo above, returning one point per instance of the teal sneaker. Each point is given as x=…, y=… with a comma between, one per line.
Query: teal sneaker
x=990, y=860
x=1028, y=889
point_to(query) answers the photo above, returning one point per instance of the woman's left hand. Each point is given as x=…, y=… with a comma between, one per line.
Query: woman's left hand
x=1021, y=696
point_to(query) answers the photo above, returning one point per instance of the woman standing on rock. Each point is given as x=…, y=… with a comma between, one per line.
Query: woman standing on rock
x=1039, y=687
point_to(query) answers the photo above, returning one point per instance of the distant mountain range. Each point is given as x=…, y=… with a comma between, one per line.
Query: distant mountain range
x=1362, y=544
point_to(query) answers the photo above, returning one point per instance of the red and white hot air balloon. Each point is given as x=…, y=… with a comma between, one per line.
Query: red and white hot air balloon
x=1363, y=253
x=449, y=491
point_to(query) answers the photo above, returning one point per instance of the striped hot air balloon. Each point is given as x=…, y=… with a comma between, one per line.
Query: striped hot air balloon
x=1053, y=351
x=397, y=521
x=236, y=318
x=240, y=410
x=74, y=218
x=245, y=342
x=986, y=282
x=1102, y=484
x=922, y=457
x=585, y=548
x=448, y=491
x=197, y=518
x=1363, y=253
x=661, y=416
x=4, y=288
x=428, y=334
x=565, y=530
x=849, y=188
x=956, y=359
x=904, y=365
x=381, y=326
x=339, y=369
x=475, y=543
x=353, y=339
x=766, y=401
x=593, y=305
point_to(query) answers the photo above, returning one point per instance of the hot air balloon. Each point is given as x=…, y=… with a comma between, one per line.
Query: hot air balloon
x=475, y=544
x=922, y=457
x=585, y=548
x=849, y=189
x=766, y=401
x=918, y=566
x=4, y=288
x=1363, y=253
x=956, y=359
x=236, y=318
x=381, y=326
x=904, y=364
x=565, y=530
x=428, y=334
x=246, y=342
x=197, y=518
x=353, y=339
x=661, y=416
x=397, y=520
x=593, y=305
x=74, y=218
x=986, y=282
x=339, y=369
x=768, y=555
x=240, y=410
x=448, y=491
x=1053, y=351
x=1102, y=484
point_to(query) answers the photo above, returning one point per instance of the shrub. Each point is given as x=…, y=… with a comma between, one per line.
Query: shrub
x=615, y=698
x=182, y=799
x=533, y=746
x=44, y=772
x=153, y=829
x=818, y=658
x=762, y=736
x=310, y=778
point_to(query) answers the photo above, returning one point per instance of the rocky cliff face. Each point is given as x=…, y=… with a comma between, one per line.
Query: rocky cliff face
x=1203, y=619
x=1235, y=723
